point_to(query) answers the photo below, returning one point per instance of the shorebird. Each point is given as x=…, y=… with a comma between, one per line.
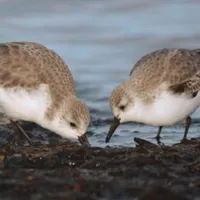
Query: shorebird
x=162, y=90
x=37, y=86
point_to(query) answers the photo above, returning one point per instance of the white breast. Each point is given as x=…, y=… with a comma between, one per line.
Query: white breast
x=167, y=110
x=20, y=104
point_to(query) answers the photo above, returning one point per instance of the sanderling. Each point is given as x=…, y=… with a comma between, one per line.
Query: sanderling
x=162, y=90
x=37, y=86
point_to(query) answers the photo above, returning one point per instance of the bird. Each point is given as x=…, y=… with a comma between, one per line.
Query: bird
x=37, y=86
x=161, y=91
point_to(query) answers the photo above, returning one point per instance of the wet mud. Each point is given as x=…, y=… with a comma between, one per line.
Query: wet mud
x=68, y=171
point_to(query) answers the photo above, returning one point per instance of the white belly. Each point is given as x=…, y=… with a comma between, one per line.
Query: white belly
x=19, y=104
x=167, y=110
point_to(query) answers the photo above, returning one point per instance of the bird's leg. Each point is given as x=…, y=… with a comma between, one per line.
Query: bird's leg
x=19, y=133
x=158, y=134
x=187, y=126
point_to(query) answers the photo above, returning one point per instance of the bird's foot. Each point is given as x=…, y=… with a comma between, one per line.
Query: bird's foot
x=158, y=141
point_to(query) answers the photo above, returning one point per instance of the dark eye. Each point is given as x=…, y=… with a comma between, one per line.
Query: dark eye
x=122, y=107
x=72, y=124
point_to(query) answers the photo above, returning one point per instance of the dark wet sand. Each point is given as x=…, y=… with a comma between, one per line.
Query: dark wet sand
x=67, y=171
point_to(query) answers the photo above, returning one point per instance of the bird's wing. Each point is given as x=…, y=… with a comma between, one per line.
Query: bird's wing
x=15, y=67
x=191, y=85
x=186, y=77
x=29, y=64
x=177, y=69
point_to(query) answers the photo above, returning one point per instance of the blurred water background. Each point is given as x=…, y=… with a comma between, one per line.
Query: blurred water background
x=100, y=41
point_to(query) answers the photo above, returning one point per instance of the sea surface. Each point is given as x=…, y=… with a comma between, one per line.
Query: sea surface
x=100, y=41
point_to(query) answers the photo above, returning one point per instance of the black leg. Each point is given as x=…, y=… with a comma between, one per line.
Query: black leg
x=187, y=126
x=19, y=132
x=158, y=134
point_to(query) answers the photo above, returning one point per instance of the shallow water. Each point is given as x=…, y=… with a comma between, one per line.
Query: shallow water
x=100, y=41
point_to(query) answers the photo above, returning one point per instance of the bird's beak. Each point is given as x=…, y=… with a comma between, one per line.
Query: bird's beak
x=112, y=129
x=84, y=140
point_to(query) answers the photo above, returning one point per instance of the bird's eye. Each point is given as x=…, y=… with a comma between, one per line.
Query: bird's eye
x=72, y=124
x=122, y=107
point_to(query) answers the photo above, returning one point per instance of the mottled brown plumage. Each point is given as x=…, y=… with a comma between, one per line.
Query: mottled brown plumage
x=178, y=68
x=27, y=65
x=38, y=79
x=162, y=90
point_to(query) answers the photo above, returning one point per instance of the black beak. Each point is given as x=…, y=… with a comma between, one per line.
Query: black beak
x=84, y=140
x=112, y=129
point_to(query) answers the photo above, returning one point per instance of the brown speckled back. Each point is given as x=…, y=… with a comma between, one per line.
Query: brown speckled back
x=170, y=66
x=27, y=64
